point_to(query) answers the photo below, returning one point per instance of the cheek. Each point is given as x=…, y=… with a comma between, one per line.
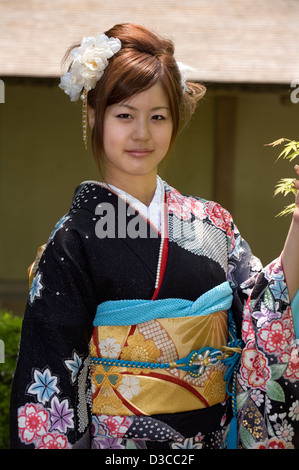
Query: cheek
x=111, y=139
x=166, y=137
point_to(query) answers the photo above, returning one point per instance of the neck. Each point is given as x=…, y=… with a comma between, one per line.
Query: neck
x=142, y=188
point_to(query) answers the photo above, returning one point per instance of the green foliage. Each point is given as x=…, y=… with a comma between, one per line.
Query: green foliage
x=10, y=332
x=285, y=185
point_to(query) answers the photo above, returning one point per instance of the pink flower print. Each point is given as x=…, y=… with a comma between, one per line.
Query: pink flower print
x=197, y=208
x=117, y=425
x=185, y=206
x=292, y=359
x=274, y=443
x=33, y=422
x=221, y=219
x=254, y=368
x=274, y=270
x=179, y=205
x=247, y=328
x=276, y=336
x=218, y=215
x=53, y=441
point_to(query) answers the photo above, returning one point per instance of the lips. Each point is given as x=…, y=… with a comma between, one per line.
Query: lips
x=139, y=153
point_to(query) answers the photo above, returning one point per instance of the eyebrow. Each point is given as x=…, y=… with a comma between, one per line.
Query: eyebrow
x=135, y=109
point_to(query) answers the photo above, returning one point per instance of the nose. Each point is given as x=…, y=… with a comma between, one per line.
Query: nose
x=141, y=130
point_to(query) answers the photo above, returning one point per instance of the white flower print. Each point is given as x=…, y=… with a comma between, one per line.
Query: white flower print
x=129, y=387
x=109, y=348
x=257, y=397
x=285, y=431
x=189, y=443
x=268, y=404
x=294, y=411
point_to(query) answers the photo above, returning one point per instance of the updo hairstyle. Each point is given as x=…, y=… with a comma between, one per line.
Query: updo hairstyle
x=144, y=59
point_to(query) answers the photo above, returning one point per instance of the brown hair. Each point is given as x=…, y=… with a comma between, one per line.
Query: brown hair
x=144, y=59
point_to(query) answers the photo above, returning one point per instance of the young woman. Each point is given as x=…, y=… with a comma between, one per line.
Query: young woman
x=146, y=304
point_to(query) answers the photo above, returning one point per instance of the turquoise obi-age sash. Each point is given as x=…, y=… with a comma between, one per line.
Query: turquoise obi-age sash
x=295, y=312
x=132, y=312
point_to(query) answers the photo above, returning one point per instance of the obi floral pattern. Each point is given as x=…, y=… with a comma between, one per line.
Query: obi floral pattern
x=125, y=390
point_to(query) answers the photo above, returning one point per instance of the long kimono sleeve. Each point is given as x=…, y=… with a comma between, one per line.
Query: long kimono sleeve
x=51, y=396
x=268, y=376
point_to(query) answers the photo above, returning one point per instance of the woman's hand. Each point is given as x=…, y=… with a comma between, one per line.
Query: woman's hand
x=296, y=185
x=290, y=254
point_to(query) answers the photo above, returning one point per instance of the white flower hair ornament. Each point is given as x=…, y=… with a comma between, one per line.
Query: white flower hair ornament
x=89, y=62
x=184, y=69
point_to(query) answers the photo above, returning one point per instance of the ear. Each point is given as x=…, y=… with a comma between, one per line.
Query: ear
x=91, y=116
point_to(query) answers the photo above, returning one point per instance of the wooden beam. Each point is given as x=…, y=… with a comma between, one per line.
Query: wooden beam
x=225, y=132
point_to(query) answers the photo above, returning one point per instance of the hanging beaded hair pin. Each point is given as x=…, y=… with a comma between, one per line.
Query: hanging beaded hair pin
x=89, y=62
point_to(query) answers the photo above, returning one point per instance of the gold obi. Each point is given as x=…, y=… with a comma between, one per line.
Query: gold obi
x=119, y=390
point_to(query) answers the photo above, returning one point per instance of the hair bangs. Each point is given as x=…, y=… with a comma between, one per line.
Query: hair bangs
x=134, y=75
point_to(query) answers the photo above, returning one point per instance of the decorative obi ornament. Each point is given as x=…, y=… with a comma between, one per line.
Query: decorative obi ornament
x=180, y=359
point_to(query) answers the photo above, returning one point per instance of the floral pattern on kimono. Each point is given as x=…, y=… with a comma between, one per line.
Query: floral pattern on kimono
x=268, y=396
x=51, y=401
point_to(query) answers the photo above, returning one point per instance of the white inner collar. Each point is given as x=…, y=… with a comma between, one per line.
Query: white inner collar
x=152, y=212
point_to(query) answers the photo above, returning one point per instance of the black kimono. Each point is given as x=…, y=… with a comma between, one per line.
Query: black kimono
x=129, y=333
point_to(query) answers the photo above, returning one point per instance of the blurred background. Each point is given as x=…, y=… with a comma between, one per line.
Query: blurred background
x=245, y=51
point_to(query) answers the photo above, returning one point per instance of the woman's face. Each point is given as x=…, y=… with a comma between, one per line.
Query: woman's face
x=136, y=134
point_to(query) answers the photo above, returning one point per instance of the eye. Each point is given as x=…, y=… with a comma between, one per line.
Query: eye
x=124, y=116
x=158, y=117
